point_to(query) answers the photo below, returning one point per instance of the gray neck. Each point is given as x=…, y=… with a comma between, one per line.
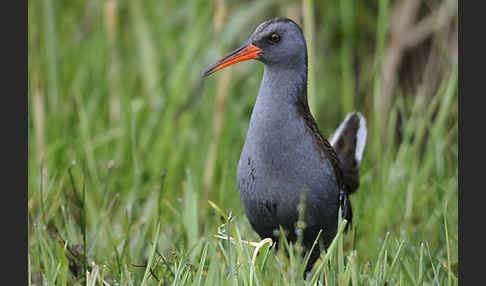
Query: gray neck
x=282, y=86
x=277, y=114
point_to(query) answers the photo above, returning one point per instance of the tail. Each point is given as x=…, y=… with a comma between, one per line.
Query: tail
x=349, y=142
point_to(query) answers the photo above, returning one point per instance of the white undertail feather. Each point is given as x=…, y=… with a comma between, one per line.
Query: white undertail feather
x=360, y=136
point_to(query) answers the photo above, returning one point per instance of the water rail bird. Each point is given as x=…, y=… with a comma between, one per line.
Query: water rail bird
x=285, y=152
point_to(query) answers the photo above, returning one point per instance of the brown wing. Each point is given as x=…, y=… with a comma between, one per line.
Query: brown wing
x=321, y=141
x=328, y=151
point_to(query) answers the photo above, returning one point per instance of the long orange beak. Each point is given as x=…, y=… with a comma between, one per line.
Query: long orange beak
x=243, y=53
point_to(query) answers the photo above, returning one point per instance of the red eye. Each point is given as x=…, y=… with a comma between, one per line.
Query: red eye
x=275, y=38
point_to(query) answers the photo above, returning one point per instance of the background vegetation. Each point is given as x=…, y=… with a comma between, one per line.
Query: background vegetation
x=127, y=143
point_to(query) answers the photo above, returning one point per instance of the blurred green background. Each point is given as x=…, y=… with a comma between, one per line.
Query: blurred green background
x=124, y=135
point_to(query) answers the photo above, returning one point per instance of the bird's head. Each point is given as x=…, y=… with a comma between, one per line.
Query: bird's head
x=276, y=42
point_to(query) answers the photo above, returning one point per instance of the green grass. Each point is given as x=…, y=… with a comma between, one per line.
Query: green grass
x=127, y=143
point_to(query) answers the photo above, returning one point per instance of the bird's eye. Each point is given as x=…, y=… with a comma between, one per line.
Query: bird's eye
x=275, y=38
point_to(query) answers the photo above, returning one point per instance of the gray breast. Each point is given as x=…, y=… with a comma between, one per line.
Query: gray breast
x=278, y=161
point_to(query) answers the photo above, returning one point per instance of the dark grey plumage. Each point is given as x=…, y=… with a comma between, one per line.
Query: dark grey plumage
x=285, y=152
